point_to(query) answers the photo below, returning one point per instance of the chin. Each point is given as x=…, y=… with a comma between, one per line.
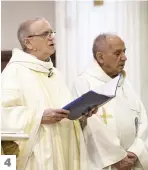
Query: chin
x=120, y=69
x=52, y=55
x=52, y=51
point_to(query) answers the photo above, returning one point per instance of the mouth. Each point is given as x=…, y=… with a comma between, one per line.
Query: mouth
x=121, y=65
x=51, y=45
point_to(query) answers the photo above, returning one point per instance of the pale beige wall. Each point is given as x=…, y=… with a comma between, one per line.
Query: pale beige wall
x=14, y=12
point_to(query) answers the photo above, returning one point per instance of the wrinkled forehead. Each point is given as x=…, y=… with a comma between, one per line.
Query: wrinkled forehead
x=115, y=43
x=40, y=26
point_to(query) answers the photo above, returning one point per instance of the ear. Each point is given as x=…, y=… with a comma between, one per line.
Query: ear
x=100, y=57
x=28, y=43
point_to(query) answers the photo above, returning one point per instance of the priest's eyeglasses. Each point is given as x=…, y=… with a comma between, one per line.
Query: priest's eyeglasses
x=49, y=34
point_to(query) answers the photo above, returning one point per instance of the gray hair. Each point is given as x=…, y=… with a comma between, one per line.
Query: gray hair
x=100, y=43
x=24, y=30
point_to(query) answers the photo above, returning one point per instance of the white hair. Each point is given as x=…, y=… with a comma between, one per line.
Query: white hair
x=24, y=30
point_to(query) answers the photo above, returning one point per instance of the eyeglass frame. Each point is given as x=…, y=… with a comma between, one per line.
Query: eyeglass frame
x=44, y=34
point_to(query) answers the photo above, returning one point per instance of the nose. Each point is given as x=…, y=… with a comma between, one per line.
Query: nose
x=123, y=57
x=53, y=40
x=50, y=38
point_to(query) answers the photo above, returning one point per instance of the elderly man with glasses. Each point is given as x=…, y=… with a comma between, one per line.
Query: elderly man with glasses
x=33, y=94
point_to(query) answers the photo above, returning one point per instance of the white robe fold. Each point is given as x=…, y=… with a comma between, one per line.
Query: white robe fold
x=26, y=93
x=124, y=129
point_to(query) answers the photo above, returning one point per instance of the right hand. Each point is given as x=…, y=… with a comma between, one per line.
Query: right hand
x=124, y=164
x=132, y=156
x=54, y=115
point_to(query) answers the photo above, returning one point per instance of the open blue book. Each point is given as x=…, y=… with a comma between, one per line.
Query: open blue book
x=97, y=97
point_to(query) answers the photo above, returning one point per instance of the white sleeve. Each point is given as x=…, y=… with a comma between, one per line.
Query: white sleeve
x=13, y=112
x=15, y=116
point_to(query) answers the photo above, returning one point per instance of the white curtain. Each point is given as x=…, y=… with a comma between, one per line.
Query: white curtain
x=79, y=22
x=73, y=47
x=144, y=52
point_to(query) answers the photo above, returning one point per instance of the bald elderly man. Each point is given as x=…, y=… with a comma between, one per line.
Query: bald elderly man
x=116, y=135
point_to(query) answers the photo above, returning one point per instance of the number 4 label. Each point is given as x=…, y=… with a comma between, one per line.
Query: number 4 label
x=7, y=162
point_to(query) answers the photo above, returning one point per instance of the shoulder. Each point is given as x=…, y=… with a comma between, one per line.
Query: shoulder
x=81, y=79
x=132, y=94
x=9, y=77
x=10, y=71
x=80, y=86
x=13, y=69
x=130, y=87
x=12, y=74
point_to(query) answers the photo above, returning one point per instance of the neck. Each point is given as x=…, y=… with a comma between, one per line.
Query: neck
x=113, y=76
x=40, y=57
x=109, y=73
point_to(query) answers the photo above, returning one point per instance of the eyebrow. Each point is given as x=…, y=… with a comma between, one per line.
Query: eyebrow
x=44, y=31
x=120, y=50
x=49, y=30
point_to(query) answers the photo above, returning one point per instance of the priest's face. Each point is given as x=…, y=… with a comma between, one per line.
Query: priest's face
x=42, y=43
x=114, y=58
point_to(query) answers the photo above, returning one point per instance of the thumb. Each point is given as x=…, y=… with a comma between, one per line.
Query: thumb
x=131, y=155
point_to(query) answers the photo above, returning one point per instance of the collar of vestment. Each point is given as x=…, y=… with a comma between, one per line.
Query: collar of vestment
x=96, y=71
x=30, y=61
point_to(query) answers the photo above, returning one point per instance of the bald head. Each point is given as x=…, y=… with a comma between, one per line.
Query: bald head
x=103, y=42
x=109, y=52
x=25, y=29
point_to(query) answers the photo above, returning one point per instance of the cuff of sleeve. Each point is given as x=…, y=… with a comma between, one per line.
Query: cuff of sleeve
x=139, y=149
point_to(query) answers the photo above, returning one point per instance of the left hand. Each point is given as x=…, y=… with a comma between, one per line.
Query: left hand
x=83, y=119
x=89, y=113
x=92, y=111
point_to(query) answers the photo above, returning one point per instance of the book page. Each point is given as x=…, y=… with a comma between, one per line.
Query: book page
x=109, y=89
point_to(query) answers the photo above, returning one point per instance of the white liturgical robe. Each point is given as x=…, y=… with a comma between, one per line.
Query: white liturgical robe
x=26, y=92
x=120, y=125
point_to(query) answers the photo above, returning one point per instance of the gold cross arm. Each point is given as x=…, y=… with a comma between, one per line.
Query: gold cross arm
x=104, y=116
